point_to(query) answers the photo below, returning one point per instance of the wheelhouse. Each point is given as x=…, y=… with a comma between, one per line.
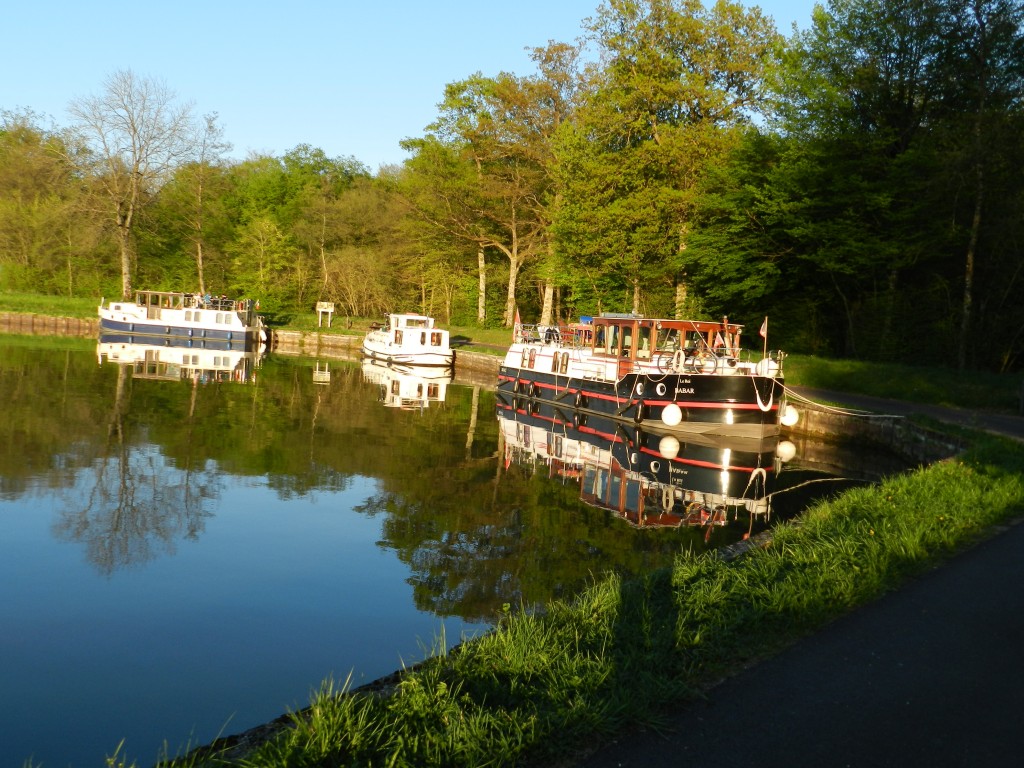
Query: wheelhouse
x=645, y=340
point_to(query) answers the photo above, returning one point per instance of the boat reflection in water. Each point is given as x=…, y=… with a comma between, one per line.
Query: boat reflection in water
x=408, y=387
x=646, y=478
x=200, y=361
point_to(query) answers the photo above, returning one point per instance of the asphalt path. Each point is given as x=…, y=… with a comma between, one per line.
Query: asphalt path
x=929, y=675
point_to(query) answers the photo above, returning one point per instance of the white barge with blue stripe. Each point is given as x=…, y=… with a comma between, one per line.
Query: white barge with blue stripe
x=185, y=319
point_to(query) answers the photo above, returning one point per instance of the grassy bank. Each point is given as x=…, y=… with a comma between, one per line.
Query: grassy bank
x=543, y=688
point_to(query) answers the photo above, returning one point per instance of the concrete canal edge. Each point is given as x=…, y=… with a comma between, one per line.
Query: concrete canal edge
x=43, y=325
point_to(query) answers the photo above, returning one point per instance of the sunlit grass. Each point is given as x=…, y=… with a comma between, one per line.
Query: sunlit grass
x=544, y=687
x=919, y=384
x=50, y=306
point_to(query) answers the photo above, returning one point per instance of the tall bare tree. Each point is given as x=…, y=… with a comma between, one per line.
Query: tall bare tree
x=139, y=134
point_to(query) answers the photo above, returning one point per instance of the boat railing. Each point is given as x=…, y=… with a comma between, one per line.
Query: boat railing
x=559, y=335
x=219, y=303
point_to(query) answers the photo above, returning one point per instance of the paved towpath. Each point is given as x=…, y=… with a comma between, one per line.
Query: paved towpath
x=929, y=675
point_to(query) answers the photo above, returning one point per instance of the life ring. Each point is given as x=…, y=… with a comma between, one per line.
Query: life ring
x=678, y=360
x=639, y=388
x=655, y=465
x=661, y=389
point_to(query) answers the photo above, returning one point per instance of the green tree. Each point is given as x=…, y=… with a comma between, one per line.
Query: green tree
x=263, y=260
x=48, y=242
x=871, y=191
x=677, y=82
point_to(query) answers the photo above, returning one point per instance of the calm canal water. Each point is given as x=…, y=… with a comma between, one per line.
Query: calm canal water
x=186, y=556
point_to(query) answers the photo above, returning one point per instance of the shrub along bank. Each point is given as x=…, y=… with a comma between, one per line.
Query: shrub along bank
x=543, y=687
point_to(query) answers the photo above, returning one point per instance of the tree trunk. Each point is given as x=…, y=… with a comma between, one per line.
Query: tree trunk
x=124, y=238
x=681, y=297
x=199, y=266
x=885, y=336
x=982, y=62
x=481, y=292
x=548, y=303
x=965, y=320
x=636, y=297
x=510, y=297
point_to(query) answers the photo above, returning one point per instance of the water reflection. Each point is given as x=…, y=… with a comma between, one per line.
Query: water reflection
x=648, y=479
x=201, y=361
x=133, y=502
x=407, y=387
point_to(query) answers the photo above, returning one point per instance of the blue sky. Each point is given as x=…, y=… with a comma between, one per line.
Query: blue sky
x=352, y=78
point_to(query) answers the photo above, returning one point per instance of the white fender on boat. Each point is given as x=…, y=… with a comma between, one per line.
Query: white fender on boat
x=668, y=447
x=767, y=367
x=671, y=415
x=790, y=416
x=785, y=450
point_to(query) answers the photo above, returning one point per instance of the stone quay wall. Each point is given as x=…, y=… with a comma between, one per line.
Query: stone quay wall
x=42, y=325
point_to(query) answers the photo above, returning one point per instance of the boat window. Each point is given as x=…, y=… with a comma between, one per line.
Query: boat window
x=433, y=390
x=554, y=445
x=533, y=357
x=611, y=340
x=627, y=341
x=554, y=363
x=398, y=338
x=614, y=497
x=435, y=339
x=526, y=358
x=565, y=362
x=632, y=500
x=423, y=339
x=644, y=350
x=668, y=341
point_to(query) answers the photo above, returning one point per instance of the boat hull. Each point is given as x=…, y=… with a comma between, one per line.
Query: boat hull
x=181, y=335
x=413, y=359
x=741, y=405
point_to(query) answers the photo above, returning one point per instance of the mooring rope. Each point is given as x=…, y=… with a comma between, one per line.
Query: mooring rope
x=837, y=409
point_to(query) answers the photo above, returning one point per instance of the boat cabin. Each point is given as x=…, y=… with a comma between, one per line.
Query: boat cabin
x=156, y=300
x=415, y=330
x=633, y=338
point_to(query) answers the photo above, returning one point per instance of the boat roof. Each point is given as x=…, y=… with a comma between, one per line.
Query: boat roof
x=615, y=318
x=411, y=320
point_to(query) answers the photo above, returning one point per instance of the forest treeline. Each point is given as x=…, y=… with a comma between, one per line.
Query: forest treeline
x=858, y=182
